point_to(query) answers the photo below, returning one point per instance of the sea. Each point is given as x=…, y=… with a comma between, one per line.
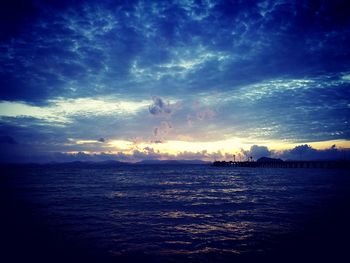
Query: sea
x=174, y=213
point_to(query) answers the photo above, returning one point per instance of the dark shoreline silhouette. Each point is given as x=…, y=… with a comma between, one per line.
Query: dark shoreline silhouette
x=265, y=162
x=103, y=164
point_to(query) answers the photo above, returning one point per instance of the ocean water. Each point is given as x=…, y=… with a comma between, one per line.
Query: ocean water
x=175, y=213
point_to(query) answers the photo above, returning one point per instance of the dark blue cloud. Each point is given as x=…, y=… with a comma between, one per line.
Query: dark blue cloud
x=257, y=152
x=306, y=152
x=279, y=69
x=84, y=48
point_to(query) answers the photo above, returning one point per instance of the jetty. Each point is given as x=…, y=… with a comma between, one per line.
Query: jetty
x=338, y=164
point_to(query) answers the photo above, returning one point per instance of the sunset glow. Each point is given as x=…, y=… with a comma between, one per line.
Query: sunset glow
x=133, y=81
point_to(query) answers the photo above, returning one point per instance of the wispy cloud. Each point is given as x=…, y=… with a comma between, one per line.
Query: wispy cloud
x=256, y=71
x=63, y=110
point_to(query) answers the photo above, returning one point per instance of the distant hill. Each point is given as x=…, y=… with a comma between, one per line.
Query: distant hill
x=74, y=164
x=87, y=164
x=269, y=160
x=173, y=162
x=101, y=164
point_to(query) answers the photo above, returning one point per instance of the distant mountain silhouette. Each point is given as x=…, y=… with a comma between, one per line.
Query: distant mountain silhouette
x=101, y=164
x=74, y=164
x=173, y=162
x=269, y=160
x=87, y=164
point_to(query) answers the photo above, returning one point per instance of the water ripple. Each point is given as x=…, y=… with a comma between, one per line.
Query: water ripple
x=188, y=210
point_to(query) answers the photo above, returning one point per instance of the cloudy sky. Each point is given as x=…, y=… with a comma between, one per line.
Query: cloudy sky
x=185, y=79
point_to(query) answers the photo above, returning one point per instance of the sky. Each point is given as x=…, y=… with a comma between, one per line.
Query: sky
x=134, y=80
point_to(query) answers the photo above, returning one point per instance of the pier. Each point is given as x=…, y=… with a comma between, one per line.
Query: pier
x=286, y=164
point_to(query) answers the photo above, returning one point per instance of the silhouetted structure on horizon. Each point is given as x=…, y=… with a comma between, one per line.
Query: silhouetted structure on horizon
x=265, y=162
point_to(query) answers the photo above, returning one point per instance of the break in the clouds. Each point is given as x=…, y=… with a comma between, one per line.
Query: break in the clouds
x=149, y=74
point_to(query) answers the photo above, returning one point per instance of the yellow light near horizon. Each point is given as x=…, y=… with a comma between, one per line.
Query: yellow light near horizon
x=234, y=146
x=176, y=147
x=231, y=146
x=121, y=145
x=321, y=145
x=328, y=144
x=80, y=142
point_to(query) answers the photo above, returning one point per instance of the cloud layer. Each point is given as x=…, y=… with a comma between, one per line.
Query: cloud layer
x=199, y=71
